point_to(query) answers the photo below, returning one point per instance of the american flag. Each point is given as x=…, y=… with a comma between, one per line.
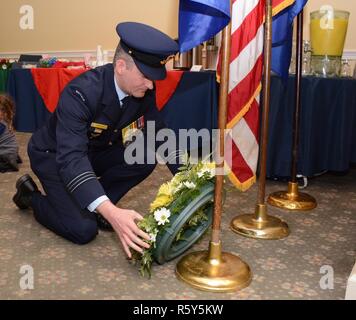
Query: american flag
x=246, y=64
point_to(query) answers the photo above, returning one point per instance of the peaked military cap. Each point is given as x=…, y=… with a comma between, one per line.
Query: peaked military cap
x=149, y=48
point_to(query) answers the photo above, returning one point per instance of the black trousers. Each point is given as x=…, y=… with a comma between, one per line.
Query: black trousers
x=59, y=212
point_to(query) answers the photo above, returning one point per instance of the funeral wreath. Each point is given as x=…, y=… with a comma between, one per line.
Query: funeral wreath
x=173, y=198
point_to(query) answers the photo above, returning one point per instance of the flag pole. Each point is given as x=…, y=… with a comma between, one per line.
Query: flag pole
x=260, y=225
x=214, y=270
x=293, y=199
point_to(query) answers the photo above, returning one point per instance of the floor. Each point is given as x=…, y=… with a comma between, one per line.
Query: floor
x=313, y=262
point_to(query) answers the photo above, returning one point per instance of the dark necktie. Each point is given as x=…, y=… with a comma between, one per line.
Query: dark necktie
x=125, y=102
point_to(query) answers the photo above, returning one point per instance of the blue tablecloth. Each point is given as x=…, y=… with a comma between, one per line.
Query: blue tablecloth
x=194, y=104
x=328, y=117
x=327, y=126
x=31, y=112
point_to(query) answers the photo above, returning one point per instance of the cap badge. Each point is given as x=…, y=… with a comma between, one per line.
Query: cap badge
x=163, y=62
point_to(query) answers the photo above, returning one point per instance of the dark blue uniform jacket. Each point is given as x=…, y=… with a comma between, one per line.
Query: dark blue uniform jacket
x=72, y=132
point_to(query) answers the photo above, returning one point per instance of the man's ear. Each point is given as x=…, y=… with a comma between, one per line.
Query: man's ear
x=120, y=66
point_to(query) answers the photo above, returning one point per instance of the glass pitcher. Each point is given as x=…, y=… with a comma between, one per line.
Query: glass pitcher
x=328, y=29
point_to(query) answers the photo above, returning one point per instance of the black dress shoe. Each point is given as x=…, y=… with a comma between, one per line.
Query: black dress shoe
x=8, y=163
x=103, y=224
x=26, y=187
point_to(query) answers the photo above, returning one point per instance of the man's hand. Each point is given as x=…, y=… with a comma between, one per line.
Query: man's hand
x=123, y=222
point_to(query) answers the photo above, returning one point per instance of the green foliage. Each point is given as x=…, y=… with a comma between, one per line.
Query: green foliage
x=171, y=200
x=148, y=223
x=196, y=219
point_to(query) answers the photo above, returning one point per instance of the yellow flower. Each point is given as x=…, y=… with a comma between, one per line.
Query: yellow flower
x=210, y=165
x=165, y=189
x=161, y=200
x=177, y=179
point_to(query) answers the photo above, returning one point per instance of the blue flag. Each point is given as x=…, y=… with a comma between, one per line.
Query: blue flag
x=282, y=38
x=200, y=20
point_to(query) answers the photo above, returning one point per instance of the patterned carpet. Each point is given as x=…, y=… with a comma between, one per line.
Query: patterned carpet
x=282, y=269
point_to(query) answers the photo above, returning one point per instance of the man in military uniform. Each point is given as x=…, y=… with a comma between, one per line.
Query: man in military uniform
x=79, y=154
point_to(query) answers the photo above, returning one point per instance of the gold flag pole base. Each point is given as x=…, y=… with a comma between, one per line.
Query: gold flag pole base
x=260, y=225
x=292, y=199
x=214, y=270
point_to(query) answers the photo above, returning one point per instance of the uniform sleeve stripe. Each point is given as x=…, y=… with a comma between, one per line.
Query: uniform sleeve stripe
x=92, y=176
x=71, y=183
x=85, y=180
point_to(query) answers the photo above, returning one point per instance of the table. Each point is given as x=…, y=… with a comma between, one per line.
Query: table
x=327, y=126
x=328, y=117
x=3, y=79
x=193, y=104
x=31, y=113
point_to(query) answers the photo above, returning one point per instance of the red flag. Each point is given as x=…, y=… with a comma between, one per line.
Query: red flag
x=246, y=64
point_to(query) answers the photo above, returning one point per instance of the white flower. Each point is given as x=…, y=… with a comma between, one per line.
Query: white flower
x=153, y=235
x=178, y=187
x=162, y=215
x=189, y=185
x=209, y=171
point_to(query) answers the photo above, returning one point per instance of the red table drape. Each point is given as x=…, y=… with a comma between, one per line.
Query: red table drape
x=165, y=88
x=51, y=81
